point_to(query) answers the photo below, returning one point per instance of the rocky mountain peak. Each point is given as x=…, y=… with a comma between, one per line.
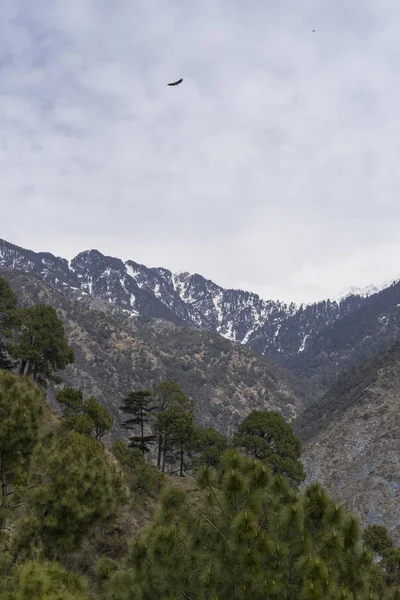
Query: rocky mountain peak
x=286, y=333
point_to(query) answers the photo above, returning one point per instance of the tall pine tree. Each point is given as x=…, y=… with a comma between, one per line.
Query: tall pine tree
x=165, y=393
x=139, y=404
x=8, y=322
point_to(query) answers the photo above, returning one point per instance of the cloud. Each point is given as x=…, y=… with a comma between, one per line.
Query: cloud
x=272, y=167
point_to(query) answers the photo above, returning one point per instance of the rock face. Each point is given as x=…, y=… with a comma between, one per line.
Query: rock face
x=115, y=354
x=355, y=452
x=316, y=342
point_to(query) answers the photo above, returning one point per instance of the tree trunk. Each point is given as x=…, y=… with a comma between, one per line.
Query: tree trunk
x=159, y=452
x=164, y=451
x=22, y=367
x=3, y=482
x=142, y=432
x=181, y=467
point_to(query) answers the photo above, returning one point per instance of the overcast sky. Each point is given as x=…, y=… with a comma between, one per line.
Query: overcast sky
x=273, y=167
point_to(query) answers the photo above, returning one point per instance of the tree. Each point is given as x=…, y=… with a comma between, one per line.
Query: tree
x=8, y=321
x=6, y=362
x=387, y=556
x=175, y=412
x=141, y=477
x=81, y=486
x=8, y=307
x=266, y=436
x=377, y=538
x=164, y=394
x=138, y=404
x=42, y=347
x=84, y=416
x=209, y=445
x=177, y=428
x=21, y=409
x=100, y=416
x=250, y=536
x=72, y=399
x=43, y=581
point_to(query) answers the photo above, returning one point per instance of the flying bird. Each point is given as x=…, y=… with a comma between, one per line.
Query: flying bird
x=313, y=30
x=176, y=82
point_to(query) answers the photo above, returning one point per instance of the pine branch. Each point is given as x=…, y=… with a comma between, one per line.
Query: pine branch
x=208, y=521
x=165, y=579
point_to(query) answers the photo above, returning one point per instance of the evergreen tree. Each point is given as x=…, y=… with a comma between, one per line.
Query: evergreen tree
x=100, y=416
x=8, y=308
x=142, y=478
x=8, y=322
x=80, y=486
x=72, y=399
x=84, y=416
x=174, y=424
x=209, y=445
x=377, y=538
x=42, y=347
x=266, y=436
x=6, y=362
x=164, y=394
x=138, y=404
x=250, y=537
x=177, y=428
x=21, y=409
x=43, y=581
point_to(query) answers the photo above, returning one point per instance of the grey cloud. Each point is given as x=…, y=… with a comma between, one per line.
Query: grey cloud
x=273, y=167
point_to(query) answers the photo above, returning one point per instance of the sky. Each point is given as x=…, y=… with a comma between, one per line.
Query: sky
x=273, y=167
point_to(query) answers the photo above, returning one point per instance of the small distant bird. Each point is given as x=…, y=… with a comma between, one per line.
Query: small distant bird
x=176, y=82
x=313, y=30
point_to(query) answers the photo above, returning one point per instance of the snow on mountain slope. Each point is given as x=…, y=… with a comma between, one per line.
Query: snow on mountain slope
x=273, y=328
x=368, y=290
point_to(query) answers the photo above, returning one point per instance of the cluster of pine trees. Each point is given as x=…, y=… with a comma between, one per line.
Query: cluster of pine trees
x=163, y=420
x=242, y=528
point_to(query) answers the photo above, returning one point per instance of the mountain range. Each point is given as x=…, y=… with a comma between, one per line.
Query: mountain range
x=331, y=368
x=311, y=340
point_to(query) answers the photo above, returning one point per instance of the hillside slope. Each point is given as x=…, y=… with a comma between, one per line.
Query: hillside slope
x=352, y=441
x=115, y=354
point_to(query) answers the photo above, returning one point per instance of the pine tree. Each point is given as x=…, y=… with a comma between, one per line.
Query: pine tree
x=266, y=436
x=42, y=347
x=138, y=404
x=80, y=486
x=43, y=581
x=84, y=416
x=377, y=538
x=164, y=394
x=174, y=424
x=21, y=409
x=8, y=323
x=177, y=428
x=252, y=536
x=100, y=417
x=6, y=362
x=209, y=444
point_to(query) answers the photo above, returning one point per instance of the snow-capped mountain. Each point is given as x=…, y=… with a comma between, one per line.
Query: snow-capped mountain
x=368, y=290
x=273, y=328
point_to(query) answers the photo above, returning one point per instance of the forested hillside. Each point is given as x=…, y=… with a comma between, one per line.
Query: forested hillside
x=82, y=520
x=114, y=354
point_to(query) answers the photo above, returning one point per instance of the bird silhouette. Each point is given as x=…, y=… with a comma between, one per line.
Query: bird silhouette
x=176, y=82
